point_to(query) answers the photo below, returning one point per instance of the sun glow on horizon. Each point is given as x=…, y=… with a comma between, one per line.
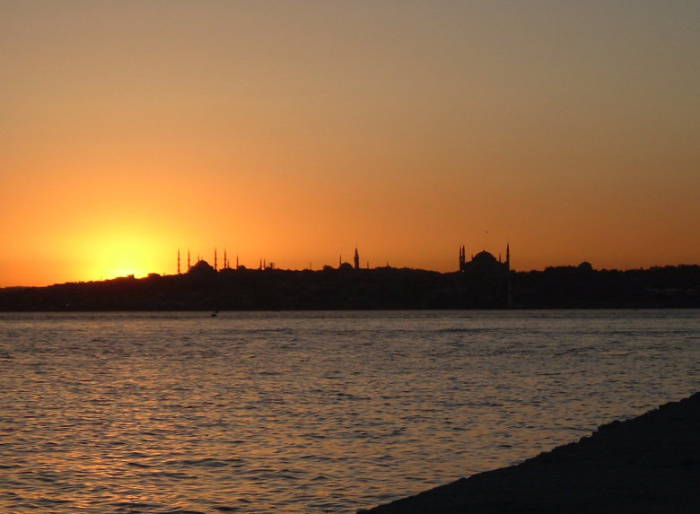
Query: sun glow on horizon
x=291, y=134
x=120, y=254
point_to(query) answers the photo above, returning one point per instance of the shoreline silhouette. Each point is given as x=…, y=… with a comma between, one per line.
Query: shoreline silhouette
x=488, y=286
x=645, y=464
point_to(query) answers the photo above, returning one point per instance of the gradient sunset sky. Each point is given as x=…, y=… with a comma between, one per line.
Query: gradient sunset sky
x=294, y=130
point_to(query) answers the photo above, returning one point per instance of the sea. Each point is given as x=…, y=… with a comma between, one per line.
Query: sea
x=285, y=412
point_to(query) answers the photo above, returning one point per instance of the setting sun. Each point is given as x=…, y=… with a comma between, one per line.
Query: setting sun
x=120, y=255
x=293, y=133
x=314, y=256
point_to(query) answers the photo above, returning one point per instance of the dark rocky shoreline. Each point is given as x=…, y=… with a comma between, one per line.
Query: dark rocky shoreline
x=648, y=464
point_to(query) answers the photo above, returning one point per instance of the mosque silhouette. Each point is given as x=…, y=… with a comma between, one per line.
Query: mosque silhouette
x=483, y=263
x=481, y=281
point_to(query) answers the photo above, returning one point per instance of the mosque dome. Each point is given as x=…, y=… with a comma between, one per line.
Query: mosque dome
x=202, y=267
x=484, y=257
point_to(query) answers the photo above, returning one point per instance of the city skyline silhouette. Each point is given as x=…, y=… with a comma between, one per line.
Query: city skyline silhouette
x=288, y=131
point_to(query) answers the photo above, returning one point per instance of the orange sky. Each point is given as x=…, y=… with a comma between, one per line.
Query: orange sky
x=293, y=130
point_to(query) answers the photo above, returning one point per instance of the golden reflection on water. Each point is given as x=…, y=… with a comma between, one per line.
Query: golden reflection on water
x=309, y=412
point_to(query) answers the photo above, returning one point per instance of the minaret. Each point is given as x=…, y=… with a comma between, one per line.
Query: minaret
x=189, y=266
x=462, y=257
x=237, y=266
x=340, y=261
x=357, y=259
x=225, y=260
x=178, y=261
x=509, y=289
x=216, y=262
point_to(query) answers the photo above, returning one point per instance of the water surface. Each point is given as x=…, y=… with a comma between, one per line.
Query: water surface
x=310, y=412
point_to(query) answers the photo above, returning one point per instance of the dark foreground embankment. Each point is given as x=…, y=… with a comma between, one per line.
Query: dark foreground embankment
x=649, y=464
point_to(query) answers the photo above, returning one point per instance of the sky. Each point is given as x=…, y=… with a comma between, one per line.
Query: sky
x=294, y=131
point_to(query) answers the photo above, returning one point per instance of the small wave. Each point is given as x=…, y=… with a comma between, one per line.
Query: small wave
x=138, y=465
x=464, y=330
x=581, y=349
x=207, y=463
x=181, y=511
x=48, y=502
x=483, y=403
x=135, y=455
x=136, y=505
x=168, y=474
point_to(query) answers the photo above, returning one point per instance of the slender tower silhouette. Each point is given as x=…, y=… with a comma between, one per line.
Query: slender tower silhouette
x=225, y=260
x=178, y=261
x=357, y=259
x=216, y=262
x=189, y=265
x=509, y=287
